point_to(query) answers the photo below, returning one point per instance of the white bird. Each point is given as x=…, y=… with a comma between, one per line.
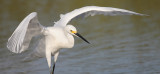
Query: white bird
x=55, y=37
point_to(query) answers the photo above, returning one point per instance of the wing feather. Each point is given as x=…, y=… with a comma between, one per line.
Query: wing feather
x=92, y=10
x=21, y=37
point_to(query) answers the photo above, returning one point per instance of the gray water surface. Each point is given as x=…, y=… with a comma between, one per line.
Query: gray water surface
x=119, y=44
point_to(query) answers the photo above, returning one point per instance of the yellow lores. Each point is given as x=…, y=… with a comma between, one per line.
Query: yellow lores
x=73, y=31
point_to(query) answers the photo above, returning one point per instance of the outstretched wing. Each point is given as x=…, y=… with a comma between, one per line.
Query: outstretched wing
x=92, y=10
x=21, y=37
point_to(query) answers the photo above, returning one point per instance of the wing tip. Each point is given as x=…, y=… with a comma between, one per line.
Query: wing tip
x=144, y=15
x=141, y=14
x=12, y=49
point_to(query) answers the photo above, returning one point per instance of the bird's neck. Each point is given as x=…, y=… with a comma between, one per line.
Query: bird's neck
x=70, y=40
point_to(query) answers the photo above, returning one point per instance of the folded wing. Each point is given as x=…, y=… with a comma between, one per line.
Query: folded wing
x=21, y=37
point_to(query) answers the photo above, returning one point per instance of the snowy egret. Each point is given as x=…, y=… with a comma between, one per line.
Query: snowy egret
x=55, y=37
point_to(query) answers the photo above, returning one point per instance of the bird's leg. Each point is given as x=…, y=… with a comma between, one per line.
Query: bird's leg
x=55, y=59
x=53, y=69
x=48, y=57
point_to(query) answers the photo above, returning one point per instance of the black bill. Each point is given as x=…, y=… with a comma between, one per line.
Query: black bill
x=81, y=37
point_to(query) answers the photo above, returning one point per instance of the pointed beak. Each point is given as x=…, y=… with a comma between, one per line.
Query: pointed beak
x=77, y=34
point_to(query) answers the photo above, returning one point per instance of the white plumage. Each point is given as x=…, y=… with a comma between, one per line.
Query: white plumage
x=55, y=37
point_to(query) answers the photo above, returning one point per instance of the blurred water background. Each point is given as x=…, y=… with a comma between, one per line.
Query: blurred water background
x=119, y=44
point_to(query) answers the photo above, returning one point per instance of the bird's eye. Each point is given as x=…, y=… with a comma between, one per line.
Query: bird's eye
x=71, y=30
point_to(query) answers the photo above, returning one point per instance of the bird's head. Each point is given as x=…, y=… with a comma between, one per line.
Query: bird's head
x=73, y=31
